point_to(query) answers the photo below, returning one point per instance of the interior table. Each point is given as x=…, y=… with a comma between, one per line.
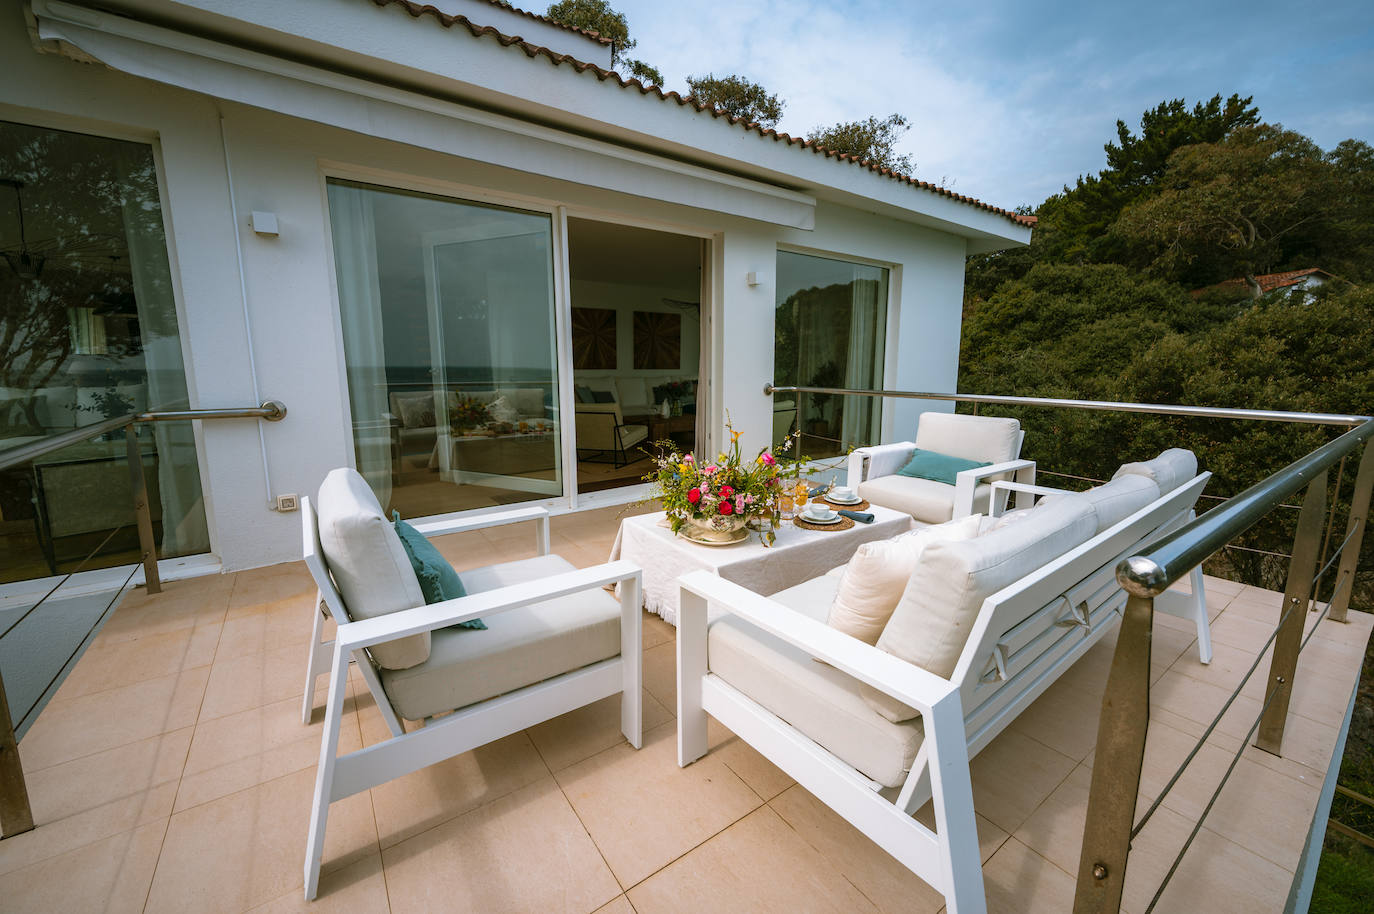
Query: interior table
x=797, y=555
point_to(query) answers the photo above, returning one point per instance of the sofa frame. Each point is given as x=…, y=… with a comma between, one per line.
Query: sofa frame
x=1024, y=637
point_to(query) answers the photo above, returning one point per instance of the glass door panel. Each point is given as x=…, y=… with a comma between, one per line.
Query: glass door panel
x=448, y=320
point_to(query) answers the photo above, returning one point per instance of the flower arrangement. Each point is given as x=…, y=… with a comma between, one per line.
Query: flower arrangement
x=467, y=412
x=677, y=390
x=717, y=499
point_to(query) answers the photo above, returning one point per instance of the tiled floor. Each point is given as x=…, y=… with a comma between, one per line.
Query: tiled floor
x=172, y=773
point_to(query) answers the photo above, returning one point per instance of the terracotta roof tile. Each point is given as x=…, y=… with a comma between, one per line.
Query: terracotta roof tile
x=562, y=25
x=531, y=50
x=1268, y=282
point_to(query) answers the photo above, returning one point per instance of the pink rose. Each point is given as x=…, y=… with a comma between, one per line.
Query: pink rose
x=710, y=469
x=769, y=459
x=739, y=504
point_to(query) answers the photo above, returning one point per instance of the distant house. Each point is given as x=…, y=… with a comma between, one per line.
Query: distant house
x=1306, y=280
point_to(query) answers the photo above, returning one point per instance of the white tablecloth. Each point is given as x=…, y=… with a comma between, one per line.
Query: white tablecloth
x=797, y=555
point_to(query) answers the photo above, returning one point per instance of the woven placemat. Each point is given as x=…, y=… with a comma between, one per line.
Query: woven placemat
x=857, y=506
x=844, y=524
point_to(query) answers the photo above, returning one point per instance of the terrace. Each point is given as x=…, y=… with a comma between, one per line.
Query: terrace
x=171, y=771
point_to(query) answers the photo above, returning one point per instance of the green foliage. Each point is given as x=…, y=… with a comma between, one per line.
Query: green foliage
x=644, y=72
x=738, y=97
x=595, y=16
x=872, y=139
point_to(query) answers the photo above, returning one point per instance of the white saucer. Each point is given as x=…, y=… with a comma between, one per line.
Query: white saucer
x=837, y=501
x=816, y=520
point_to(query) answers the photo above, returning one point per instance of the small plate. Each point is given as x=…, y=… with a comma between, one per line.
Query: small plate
x=816, y=520
x=838, y=501
x=741, y=535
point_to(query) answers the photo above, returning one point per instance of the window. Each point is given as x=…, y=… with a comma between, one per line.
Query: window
x=88, y=331
x=830, y=326
x=448, y=326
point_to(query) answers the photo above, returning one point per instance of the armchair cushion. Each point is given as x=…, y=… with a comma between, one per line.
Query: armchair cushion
x=938, y=467
x=603, y=396
x=438, y=580
x=875, y=577
x=821, y=701
x=521, y=646
x=952, y=579
x=986, y=438
x=1169, y=470
x=368, y=563
x=928, y=501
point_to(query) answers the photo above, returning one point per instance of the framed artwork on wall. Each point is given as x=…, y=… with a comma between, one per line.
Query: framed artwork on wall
x=658, y=340
x=593, y=339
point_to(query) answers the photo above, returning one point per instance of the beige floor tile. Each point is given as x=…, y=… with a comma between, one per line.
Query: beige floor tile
x=111, y=875
x=431, y=796
x=883, y=881
x=766, y=779
x=1065, y=717
x=525, y=852
x=1216, y=875
x=1238, y=631
x=67, y=730
x=660, y=674
x=619, y=905
x=256, y=679
x=1201, y=702
x=1013, y=775
x=1221, y=586
x=239, y=751
x=266, y=586
x=656, y=631
x=109, y=666
x=1055, y=829
x=249, y=848
x=107, y=777
x=644, y=811
x=182, y=604
x=1169, y=645
x=89, y=826
x=1017, y=880
x=359, y=888
x=758, y=864
x=580, y=734
x=270, y=626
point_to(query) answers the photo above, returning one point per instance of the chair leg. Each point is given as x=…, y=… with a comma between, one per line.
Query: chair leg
x=1204, y=623
x=312, y=662
x=631, y=662
x=324, y=774
x=692, y=741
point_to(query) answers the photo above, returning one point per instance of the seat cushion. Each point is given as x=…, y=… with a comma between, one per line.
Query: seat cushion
x=876, y=575
x=368, y=563
x=1169, y=470
x=942, y=600
x=924, y=499
x=818, y=700
x=520, y=646
x=986, y=438
x=633, y=434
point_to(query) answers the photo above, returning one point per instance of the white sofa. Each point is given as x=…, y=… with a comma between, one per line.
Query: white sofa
x=874, y=471
x=984, y=627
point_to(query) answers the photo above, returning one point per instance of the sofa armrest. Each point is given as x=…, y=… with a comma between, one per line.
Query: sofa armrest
x=1025, y=489
x=482, y=521
x=883, y=460
x=966, y=482
x=904, y=681
x=365, y=633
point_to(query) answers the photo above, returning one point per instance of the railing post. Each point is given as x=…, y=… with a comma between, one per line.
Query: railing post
x=15, y=815
x=1121, y=733
x=1354, y=531
x=146, y=544
x=1302, y=567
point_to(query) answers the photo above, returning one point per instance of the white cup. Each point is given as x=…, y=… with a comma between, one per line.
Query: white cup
x=842, y=493
x=819, y=512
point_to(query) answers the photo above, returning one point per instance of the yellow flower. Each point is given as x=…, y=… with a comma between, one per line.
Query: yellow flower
x=759, y=461
x=685, y=468
x=734, y=436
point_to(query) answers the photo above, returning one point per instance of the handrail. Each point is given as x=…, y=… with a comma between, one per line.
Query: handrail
x=271, y=411
x=1151, y=573
x=1162, y=409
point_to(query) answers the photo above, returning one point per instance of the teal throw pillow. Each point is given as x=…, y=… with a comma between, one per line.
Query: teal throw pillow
x=438, y=580
x=938, y=467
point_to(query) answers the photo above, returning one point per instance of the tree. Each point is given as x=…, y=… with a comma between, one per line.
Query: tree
x=871, y=139
x=645, y=73
x=595, y=16
x=738, y=97
x=1228, y=208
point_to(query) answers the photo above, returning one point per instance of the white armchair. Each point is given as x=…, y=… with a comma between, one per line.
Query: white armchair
x=601, y=427
x=873, y=471
x=555, y=641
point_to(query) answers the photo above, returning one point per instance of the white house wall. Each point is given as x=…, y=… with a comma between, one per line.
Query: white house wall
x=279, y=164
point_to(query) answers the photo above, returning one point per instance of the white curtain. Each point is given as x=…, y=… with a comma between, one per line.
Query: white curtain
x=184, y=528
x=360, y=306
x=865, y=341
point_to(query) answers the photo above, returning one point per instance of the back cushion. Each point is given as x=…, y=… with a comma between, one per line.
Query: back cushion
x=941, y=602
x=1169, y=470
x=368, y=562
x=1116, y=500
x=987, y=439
x=631, y=392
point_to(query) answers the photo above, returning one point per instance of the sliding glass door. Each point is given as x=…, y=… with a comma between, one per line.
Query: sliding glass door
x=449, y=342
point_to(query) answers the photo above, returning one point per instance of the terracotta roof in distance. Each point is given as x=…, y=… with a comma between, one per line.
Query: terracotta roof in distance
x=1268, y=282
x=531, y=50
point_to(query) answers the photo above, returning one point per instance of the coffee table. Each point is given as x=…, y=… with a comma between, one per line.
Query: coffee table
x=797, y=555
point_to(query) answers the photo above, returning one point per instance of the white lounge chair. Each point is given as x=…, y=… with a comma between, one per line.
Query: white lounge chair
x=555, y=641
x=874, y=736
x=873, y=471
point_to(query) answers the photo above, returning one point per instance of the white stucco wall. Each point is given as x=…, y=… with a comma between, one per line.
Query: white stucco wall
x=278, y=165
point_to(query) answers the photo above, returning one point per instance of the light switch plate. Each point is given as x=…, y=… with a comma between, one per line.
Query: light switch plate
x=287, y=503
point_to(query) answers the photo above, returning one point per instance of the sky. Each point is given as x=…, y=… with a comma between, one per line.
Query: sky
x=1008, y=101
